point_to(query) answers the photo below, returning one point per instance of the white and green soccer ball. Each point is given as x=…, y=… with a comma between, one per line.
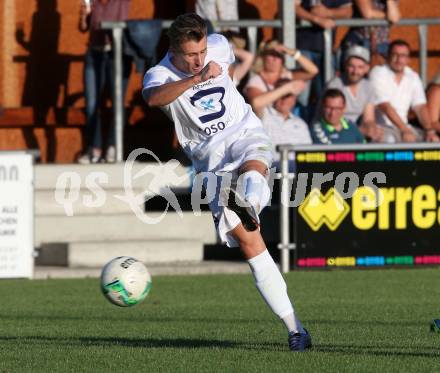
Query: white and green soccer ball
x=125, y=281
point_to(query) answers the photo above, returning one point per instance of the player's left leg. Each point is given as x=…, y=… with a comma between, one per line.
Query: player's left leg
x=271, y=285
x=268, y=279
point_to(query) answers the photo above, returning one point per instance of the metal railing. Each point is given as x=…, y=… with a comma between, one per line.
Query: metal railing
x=288, y=27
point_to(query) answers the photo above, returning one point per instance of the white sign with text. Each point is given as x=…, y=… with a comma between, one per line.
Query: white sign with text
x=16, y=215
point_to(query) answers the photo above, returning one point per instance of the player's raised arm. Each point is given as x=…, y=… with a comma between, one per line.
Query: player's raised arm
x=166, y=93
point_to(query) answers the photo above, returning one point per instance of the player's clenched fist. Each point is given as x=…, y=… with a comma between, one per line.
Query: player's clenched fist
x=210, y=71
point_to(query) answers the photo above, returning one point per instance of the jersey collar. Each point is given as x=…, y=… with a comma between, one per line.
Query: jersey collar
x=331, y=129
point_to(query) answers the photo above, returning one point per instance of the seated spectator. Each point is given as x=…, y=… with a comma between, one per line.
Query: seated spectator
x=399, y=88
x=358, y=92
x=375, y=39
x=269, y=68
x=433, y=95
x=275, y=111
x=310, y=41
x=243, y=58
x=332, y=127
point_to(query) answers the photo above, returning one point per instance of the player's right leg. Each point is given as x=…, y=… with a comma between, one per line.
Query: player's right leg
x=271, y=285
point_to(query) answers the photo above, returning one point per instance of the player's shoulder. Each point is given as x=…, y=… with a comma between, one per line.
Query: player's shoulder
x=409, y=72
x=217, y=41
x=161, y=68
x=219, y=48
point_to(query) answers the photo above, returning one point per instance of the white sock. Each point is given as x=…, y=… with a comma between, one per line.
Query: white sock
x=256, y=190
x=272, y=287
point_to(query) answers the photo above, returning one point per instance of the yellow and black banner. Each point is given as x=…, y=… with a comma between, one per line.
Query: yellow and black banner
x=367, y=205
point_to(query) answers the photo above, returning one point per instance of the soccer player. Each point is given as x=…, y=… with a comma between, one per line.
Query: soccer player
x=221, y=134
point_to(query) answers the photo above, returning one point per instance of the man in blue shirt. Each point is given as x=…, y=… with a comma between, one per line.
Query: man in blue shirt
x=332, y=127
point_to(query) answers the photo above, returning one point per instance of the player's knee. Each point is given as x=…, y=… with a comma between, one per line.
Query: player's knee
x=251, y=243
x=254, y=166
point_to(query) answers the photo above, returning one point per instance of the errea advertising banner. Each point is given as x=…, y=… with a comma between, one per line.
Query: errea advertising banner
x=16, y=215
x=367, y=206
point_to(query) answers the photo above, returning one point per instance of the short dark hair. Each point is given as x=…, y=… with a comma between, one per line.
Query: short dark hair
x=188, y=26
x=398, y=42
x=333, y=93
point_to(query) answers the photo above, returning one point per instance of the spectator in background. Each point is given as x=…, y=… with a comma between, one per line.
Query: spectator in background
x=243, y=58
x=333, y=127
x=310, y=41
x=269, y=68
x=218, y=10
x=358, y=92
x=98, y=72
x=374, y=38
x=399, y=88
x=434, y=102
x=275, y=111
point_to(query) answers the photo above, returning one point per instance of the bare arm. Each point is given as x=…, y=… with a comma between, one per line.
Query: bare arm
x=308, y=69
x=84, y=18
x=390, y=112
x=317, y=20
x=434, y=105
x=369, y=126
x=425, y=121
x=259, y=102
x=393, y=11
x=368, y=115
x=334, y=13
x=368, y=11
x=166, y=93
x=246, y=59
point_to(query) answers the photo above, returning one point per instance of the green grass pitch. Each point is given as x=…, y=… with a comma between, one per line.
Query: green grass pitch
x=360, y=320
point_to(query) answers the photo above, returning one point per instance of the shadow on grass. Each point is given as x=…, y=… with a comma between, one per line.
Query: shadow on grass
x=378, y=351
x=365, y=323
x=135, y=318
x=192, y=343
x=123, y=342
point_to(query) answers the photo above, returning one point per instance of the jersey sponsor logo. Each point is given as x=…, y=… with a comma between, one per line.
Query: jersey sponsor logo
x=210, y=100
x=202, y=85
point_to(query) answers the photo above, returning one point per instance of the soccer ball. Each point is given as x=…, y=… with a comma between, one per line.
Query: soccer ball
x=125, y=281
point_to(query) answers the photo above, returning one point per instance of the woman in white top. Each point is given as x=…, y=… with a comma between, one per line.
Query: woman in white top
x=269, y=68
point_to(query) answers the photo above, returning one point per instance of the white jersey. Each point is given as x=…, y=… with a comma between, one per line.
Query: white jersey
x=209, y=112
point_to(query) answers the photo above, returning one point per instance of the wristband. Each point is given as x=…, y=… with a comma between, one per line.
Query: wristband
x=297, y=55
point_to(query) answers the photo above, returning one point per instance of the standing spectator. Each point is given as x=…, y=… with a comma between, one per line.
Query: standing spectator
x=269, y=68
x=98, y=72
x=358, y=92
x=218, y=10
x=374, y=38
x=275, y=111
x=434, y=102
x=310, y=41
x=399, y=88
x=333, y=127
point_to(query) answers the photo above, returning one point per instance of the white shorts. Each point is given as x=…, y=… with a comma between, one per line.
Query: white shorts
x=226, y=158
